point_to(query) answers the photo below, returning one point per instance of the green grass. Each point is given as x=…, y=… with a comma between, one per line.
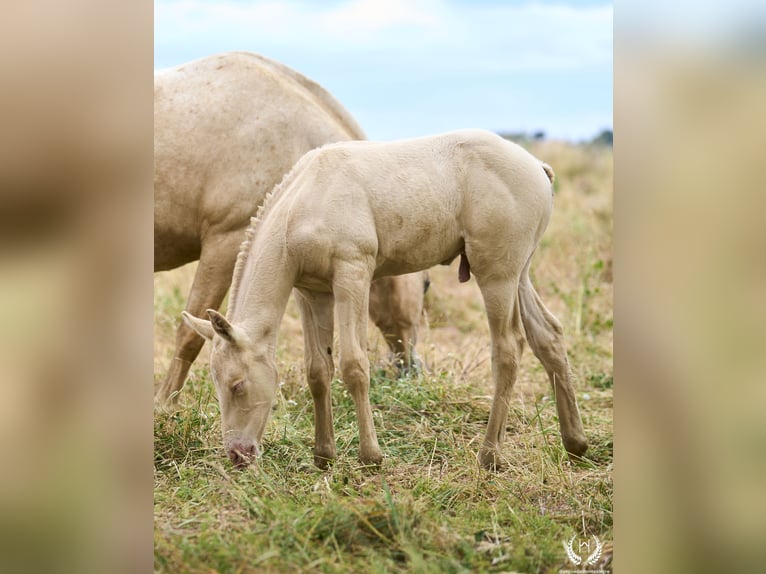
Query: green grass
x=429, y=508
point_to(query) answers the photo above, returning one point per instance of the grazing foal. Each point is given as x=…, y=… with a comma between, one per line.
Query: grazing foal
x=351, y=212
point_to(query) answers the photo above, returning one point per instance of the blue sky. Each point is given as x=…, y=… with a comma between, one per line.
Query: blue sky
x=406, y=68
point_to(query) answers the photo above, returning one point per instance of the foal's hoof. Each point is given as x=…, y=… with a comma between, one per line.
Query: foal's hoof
x=372, y=457
x=490, y=460
x=576, y=447
x=323, y=462
x=324, y=455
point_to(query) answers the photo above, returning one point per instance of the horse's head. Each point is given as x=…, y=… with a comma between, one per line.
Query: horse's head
x=245, y=380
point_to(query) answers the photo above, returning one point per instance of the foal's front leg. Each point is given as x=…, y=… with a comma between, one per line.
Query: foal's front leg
x=317, y=317
x=351, y=287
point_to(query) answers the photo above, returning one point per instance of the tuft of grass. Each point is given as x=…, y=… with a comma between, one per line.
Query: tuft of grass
x=429, y=508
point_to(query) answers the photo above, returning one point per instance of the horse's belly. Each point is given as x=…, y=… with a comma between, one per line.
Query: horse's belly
x=416, y=249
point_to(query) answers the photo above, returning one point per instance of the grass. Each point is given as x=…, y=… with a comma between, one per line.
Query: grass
x=430, y=508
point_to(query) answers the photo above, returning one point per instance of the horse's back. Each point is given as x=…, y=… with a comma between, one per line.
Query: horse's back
x=227, y=128
x=418, y=200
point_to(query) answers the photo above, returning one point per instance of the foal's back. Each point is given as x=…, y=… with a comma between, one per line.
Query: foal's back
x=415, y=203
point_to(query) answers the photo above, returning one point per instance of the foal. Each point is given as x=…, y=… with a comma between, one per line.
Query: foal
x=351, y=212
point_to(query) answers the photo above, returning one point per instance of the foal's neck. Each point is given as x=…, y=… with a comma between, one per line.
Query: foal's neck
x=262, y=297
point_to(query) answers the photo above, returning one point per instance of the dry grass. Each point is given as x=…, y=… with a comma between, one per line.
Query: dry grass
x=430, y=508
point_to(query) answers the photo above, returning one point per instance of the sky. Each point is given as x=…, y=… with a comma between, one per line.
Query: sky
x=406, y=68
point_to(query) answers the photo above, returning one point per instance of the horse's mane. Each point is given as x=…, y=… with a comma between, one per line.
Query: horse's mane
x=322, y=97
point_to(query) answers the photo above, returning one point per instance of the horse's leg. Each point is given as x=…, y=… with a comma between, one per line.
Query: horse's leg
x=396, y=305
x=351, y=287
x=546, y=338
x=211, y=281
x=383, y=312
x=317, y=317
x=507, y=345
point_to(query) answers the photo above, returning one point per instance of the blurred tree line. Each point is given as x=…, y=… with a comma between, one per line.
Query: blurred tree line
x=604, y=138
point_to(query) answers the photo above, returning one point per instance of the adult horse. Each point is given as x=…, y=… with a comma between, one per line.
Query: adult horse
x=226, y=129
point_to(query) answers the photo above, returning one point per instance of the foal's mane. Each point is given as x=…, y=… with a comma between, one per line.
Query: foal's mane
x=244, y=248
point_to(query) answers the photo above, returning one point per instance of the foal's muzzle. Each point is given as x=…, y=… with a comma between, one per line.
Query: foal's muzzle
x=242, y=455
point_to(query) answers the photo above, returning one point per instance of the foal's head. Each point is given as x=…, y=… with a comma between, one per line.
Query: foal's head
x=245, y=380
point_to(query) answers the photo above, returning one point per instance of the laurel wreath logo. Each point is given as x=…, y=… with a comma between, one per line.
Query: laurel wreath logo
x=574, y=558
x=577, y=559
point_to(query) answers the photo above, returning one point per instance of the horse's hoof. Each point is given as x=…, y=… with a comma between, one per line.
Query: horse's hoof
x=490, y=460
x=373, y=457
x=323, y=461
x=576, y=447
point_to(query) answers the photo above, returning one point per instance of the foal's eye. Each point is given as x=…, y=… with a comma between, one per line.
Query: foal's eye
x=238, y=387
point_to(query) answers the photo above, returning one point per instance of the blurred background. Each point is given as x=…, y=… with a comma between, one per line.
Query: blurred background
x=75, y=222
x=690, y=87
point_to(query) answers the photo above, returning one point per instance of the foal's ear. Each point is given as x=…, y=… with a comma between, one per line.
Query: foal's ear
x=222, y=327
x=202, y=326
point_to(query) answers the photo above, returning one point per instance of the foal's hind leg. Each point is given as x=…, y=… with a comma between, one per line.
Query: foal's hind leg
x=317, y=316
x=507, y=345
x=546, y=338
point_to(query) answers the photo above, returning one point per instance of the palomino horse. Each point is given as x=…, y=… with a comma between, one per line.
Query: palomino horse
x=351, y=212
x=226, y=130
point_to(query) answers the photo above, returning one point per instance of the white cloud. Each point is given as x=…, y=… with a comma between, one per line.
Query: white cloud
x=362, y=17
x=508, y=37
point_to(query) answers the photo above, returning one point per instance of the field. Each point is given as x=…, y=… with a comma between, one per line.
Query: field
x=430, y=508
